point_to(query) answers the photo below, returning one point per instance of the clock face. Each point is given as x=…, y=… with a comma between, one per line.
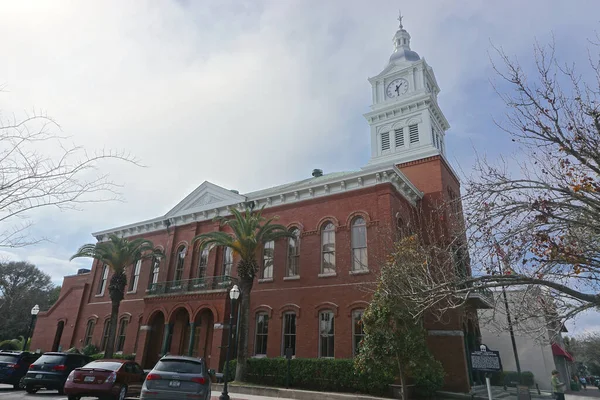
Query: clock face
x=397, y=88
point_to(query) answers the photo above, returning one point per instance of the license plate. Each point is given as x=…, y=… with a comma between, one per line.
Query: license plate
x=174, y=384
x=89, y=379
x=38, y=376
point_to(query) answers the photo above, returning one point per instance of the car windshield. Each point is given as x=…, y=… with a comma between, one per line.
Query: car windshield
x=50, y=359
x=8, y=358
x=179, y=366
x=108, y=365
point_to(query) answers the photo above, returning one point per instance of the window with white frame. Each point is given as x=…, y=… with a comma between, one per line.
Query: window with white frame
x=399, y=137
x=268, y=255
x=293, y=261
x=135, y=276
x=385, y=141
x=358, y=332
x=413, y=133
x=328, y=249
x=180, y=261
x=103, y=278
x=203, y=263
x=89, y=332
x=289, y=332
x=121, y=334
x=227, y=261
x=262, y=334
x=359, y=245
x=326, y=334
x=155, y=269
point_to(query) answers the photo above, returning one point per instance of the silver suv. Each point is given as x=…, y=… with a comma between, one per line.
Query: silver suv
x=175, y=377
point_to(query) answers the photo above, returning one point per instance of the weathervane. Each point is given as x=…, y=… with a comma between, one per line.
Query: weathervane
x=400, y=18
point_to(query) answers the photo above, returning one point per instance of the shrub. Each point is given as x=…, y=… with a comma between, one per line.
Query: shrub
x=321, y=374
x=99, y=356
x=89, y=350
x=9, y=345
x=428, y=377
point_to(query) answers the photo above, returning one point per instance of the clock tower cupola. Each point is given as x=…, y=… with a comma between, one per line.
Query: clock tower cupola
x=406, y=121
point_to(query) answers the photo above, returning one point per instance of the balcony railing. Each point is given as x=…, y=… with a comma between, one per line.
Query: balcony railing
x=482, y=297
x=192, y=285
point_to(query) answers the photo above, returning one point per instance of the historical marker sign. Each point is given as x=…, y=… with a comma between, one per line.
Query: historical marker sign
x=486, y=360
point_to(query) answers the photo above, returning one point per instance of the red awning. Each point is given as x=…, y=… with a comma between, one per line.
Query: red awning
x=559, y=351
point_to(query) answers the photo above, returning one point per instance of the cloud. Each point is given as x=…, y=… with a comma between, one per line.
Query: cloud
x=247, y=94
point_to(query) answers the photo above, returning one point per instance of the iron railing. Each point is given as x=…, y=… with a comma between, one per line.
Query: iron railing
x=192, y=285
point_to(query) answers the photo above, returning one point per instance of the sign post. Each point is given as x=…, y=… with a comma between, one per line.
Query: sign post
x=486, y=360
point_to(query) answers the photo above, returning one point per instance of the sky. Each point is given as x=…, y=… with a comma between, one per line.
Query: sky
x=251, y=94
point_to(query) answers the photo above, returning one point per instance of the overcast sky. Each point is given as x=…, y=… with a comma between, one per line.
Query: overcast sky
x=251, y=94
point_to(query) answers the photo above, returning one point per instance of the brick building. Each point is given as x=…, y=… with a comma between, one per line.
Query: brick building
x=309, y=293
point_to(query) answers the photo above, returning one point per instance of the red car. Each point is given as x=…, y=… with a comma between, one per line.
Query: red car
x=115, y=379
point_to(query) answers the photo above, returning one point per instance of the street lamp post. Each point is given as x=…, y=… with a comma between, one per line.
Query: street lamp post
x=34, y=312
x=234, y=294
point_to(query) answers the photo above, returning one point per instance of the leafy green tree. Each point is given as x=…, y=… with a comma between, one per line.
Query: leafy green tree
x=395, y=341
x=250, y=231
x=118, y=253
x=22, y=285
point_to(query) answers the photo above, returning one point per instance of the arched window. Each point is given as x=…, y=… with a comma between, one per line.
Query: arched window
x=135, y=276
x=262, y=334
x=121, y=334
x=326, y=334
x=227, y=261
x=359, y=245
x=328, y=249
x=268, y=255
x=103, y=278
x=89, y=332
x=180, y=260
x=293, y=261
x=203, y=262
x=105, y=334
x=154, y=271
x=358, y=332
x=289, y=332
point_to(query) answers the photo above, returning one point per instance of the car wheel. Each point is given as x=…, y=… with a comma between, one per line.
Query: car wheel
x=61, y=391
x=31, y=389
x=22, y=383
x=122, y=393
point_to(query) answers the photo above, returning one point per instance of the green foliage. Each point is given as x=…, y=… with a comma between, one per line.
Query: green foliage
x=89, y=350
x=99, y=356
x=321, y=374
x=428, y=377
x=11, y=344
x=73, y=350
x=509, y=378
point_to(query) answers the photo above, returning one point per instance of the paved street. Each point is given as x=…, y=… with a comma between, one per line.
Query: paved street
x=8, y=393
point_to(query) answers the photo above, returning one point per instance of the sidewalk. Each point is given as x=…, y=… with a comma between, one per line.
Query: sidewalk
x=252, y=392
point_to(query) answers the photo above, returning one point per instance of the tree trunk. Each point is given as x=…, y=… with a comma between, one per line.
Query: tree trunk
x=402, y=379
x=242, y=351
x=116, y=289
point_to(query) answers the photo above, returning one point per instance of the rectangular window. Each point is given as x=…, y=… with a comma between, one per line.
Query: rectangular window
x=289, y=332
x=105, y=335
x=385, y=141
x=293, y=262
x=399, y=136
x=328, y=249
x=135, y=276
x=413, y=133
x=203, y=263
x=358, y=332
x=262, y=333
x=359, y=245
x=227, y=261
x=268, y=255
x=154, y=272
x=326, y=334
x=103, y=279
x=121, y=334
x=89, y=332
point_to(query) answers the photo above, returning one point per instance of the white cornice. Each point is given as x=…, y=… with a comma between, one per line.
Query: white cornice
x=282, y=195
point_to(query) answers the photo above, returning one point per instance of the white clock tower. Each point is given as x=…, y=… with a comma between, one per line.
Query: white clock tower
x=406, y=121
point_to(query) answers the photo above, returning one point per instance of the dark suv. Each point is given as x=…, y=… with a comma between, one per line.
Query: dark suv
x=14, y=365
x=51, y=370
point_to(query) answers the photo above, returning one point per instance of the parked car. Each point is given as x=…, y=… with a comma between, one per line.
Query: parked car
x=14, y=365
x=51, y=370
x=177, y=377
x=115, y=379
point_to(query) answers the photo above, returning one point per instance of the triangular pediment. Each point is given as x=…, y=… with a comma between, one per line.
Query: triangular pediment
x=204, y=197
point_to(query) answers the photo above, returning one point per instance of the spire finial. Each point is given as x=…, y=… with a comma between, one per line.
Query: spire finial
x=400, y=18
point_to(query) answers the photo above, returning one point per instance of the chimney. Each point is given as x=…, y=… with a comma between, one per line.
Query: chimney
x=317, y=172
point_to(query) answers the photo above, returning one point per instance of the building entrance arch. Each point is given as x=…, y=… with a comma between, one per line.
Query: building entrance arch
x=58, y=335
x=201, y=343
x=154, y=339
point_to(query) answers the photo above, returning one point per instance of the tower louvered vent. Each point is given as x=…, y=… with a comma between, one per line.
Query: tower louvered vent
x=385, y=141
x=399, y=136
x=413, y=133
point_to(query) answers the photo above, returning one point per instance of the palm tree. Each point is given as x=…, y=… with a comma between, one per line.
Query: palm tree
x=118, y=253
x=250, y=232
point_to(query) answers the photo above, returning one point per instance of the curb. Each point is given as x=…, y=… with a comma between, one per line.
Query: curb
x=290, y=393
